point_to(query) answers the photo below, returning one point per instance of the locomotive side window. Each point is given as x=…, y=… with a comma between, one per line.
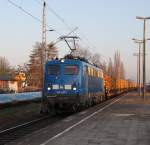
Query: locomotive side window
x=89, y=71
x=71, y=69
x=92, y=72
x=53, y=69
x=95, y=73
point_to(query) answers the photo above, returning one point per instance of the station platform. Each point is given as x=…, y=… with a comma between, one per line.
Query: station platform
x=123, y=121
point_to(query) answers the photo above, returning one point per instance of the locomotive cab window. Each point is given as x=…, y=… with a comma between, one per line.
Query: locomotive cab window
x=53, y=69
x=71, y=69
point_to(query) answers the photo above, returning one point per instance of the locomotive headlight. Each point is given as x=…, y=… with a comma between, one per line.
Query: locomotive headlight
x=62, y=60
x=74, y=88
x=49, y=88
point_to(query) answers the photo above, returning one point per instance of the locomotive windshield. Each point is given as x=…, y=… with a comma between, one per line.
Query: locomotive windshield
x=54, y=69
x=71, y=69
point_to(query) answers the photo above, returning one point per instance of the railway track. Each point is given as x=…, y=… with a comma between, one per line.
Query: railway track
x=16, y=132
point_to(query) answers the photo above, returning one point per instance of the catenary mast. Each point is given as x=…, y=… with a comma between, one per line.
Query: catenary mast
x=44, y=106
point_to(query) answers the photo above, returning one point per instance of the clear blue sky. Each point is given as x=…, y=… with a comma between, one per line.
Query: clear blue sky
x=108, y=25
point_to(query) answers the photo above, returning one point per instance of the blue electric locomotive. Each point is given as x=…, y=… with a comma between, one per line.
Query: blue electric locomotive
x=70, y=83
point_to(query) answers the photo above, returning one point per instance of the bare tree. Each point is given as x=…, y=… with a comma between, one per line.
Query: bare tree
x=117, y=63
x=110, y=68
x=119, y=71
x=52, y=51
x=122, y=71
x=96, y=59
x=103, y=66
x=85, y=53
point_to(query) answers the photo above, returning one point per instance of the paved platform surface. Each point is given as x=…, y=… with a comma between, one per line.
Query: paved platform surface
x=125, y=121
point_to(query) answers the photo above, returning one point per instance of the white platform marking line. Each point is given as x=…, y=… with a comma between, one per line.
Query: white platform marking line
x=81, y=121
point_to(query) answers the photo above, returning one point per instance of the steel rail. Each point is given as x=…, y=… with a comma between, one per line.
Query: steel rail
x=22, y=125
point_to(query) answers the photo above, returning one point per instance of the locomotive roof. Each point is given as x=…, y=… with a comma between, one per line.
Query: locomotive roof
x=56, y=61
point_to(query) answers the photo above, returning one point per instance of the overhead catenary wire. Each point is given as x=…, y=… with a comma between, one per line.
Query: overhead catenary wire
x=29, y=14
x=22, y=9
x=55, y=14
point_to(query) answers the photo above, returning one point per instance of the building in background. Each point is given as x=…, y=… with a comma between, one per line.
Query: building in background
x=8, y=84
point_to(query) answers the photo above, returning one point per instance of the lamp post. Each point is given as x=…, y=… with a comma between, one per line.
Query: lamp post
x=139, y=42
x=144, y=51
x=137, y=55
